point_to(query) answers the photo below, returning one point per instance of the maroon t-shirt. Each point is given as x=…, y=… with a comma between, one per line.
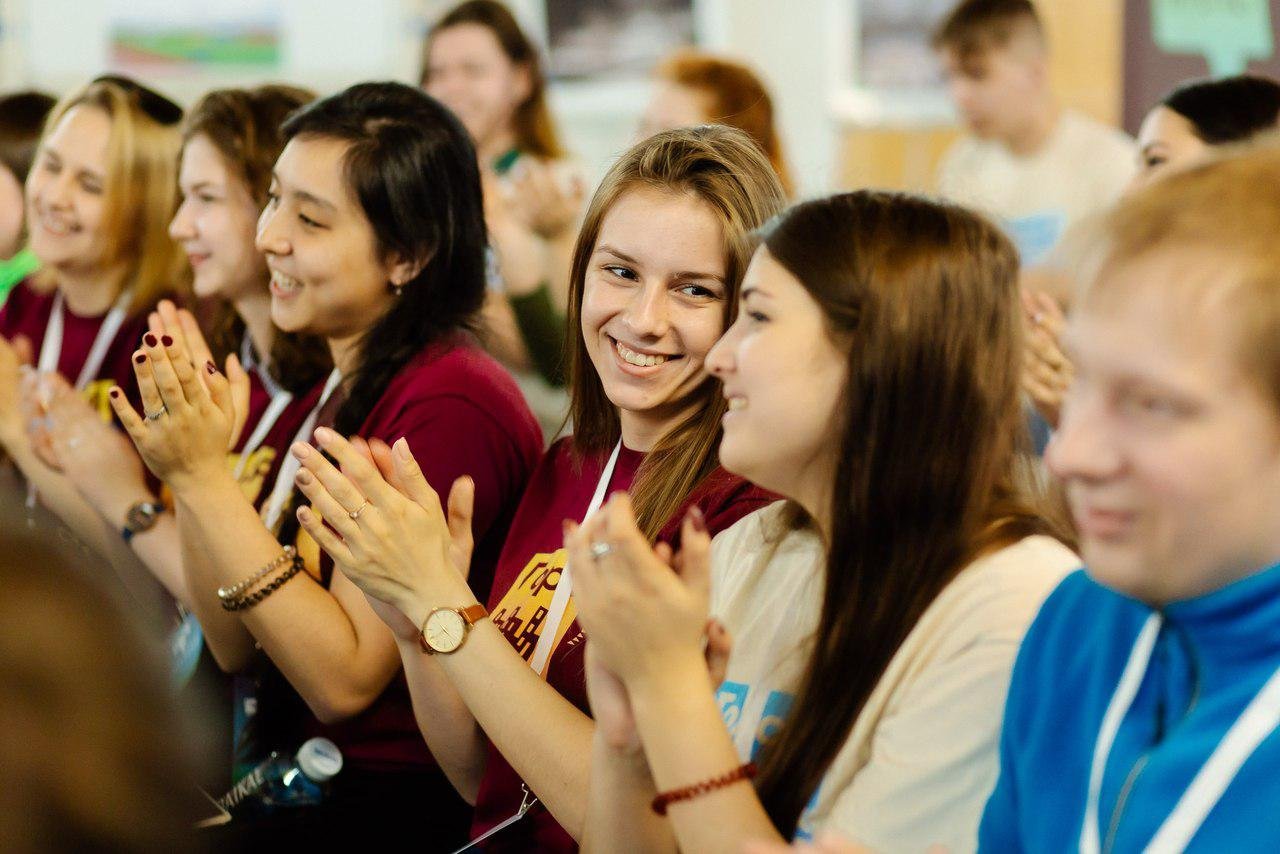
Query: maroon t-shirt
x=27, y=312
x=461, y=413
x=526, y=578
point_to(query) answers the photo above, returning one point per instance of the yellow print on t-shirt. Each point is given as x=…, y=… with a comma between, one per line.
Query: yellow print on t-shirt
x=98, y=394
x=522, y=613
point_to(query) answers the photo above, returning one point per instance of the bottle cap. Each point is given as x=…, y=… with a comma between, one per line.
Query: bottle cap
x=319, y=759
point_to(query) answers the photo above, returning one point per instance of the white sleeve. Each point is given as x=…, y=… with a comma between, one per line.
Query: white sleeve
x=933, y=758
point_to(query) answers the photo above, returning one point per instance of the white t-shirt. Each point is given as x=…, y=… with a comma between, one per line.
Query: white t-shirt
x=1082, y=168
x=921, y=759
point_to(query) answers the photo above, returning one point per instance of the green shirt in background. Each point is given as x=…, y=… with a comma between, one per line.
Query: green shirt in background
x=16, y=269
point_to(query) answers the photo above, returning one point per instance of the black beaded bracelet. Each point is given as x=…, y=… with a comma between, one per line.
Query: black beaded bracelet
x=251, y=599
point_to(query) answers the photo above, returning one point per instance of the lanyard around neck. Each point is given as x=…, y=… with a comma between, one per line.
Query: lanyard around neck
x=1255, y=723
x=564, y=587
x=280, y=400
x=51, y=347
x=283, y=488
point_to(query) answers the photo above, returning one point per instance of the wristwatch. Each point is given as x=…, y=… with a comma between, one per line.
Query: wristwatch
x=445, y=629
x=140, y=517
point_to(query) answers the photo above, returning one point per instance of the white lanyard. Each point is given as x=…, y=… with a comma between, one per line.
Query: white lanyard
x=280, y=400
x=564, y=587
x=289, y=466
x=51, y=347
x=1255, y=723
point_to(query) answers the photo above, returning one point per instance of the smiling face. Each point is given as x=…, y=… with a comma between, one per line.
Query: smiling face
x=1169, y=450
x=470, y=73
x=216, y=224
x=326, y=275
x=653, y=305
x=1167, y=142
x=65, y=191
x=783, y=378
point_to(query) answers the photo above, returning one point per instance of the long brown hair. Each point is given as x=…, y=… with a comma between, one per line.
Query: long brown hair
x=735, y=97
x=725, y=169
x=535, y=130
x=244, y=126
x=924, y=297
x=141, y=190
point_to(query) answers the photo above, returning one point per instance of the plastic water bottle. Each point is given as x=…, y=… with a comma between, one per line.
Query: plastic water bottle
x=282, y=782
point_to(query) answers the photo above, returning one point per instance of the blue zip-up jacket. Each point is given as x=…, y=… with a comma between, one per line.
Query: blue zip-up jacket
x=1212, y=656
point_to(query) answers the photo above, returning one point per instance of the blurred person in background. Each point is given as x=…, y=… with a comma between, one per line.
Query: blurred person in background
x=22, y=116
x=1188, y=126
x=698, y=88
x=1026, y=160
x=481, y=65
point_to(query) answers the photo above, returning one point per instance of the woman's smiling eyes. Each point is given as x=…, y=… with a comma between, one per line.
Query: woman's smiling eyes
x=273, y=200
x=621, y=272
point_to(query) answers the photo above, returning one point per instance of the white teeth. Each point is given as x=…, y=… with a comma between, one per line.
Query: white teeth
x=57, y=227
x=640, y=360
x=283, y=282
x=737, y=403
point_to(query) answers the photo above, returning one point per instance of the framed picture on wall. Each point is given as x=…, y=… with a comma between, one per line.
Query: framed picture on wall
x=885, y=69
x=611, y=38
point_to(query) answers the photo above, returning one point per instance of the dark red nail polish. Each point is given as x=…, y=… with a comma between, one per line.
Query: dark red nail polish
x=140, y=358
x=699, y=521
x=166, y=340
x=208, y=366
x=149, y=339
x=115, y=393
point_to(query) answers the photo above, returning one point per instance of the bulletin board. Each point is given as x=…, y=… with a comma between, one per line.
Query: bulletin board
x=1167, y=42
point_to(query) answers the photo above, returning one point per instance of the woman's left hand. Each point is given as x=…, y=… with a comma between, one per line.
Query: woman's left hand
x=93, y=455
x=548, y=204
x=187, y=418
x=395, y=544
x=643, y=619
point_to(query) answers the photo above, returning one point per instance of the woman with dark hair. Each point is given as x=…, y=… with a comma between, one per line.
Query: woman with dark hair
x=655, y=281
x=872, y=378
x=1181, y=131
x=374, y=237
x=480, y=63
x=1197, y=116
x=22, y=116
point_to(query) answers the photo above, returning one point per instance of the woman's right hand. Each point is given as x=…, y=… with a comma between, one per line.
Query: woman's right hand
x=396, y=546
x=520, y=253
x=13, y=356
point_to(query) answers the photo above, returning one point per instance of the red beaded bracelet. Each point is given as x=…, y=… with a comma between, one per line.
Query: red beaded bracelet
x=666, y=799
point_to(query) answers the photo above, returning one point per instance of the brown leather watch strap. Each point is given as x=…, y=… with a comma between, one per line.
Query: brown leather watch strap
x=474, y=614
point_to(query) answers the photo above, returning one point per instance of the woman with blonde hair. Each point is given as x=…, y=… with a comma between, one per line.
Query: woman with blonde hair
x=100, y=196
x=655, y=280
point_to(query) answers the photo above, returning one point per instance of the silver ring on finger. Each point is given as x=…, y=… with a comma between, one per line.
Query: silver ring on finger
x=155, y=416
x=600, y=550
x=355, y=514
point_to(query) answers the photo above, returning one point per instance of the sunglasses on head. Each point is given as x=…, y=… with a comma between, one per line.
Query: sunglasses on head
x=151, y=102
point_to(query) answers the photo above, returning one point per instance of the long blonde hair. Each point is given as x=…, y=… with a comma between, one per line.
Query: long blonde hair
x=725, y=169
x=140, y=195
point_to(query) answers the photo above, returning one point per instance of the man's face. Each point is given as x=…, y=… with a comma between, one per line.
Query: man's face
x=995, y=89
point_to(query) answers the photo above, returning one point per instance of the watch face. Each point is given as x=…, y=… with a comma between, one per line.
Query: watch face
x=445, y=630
